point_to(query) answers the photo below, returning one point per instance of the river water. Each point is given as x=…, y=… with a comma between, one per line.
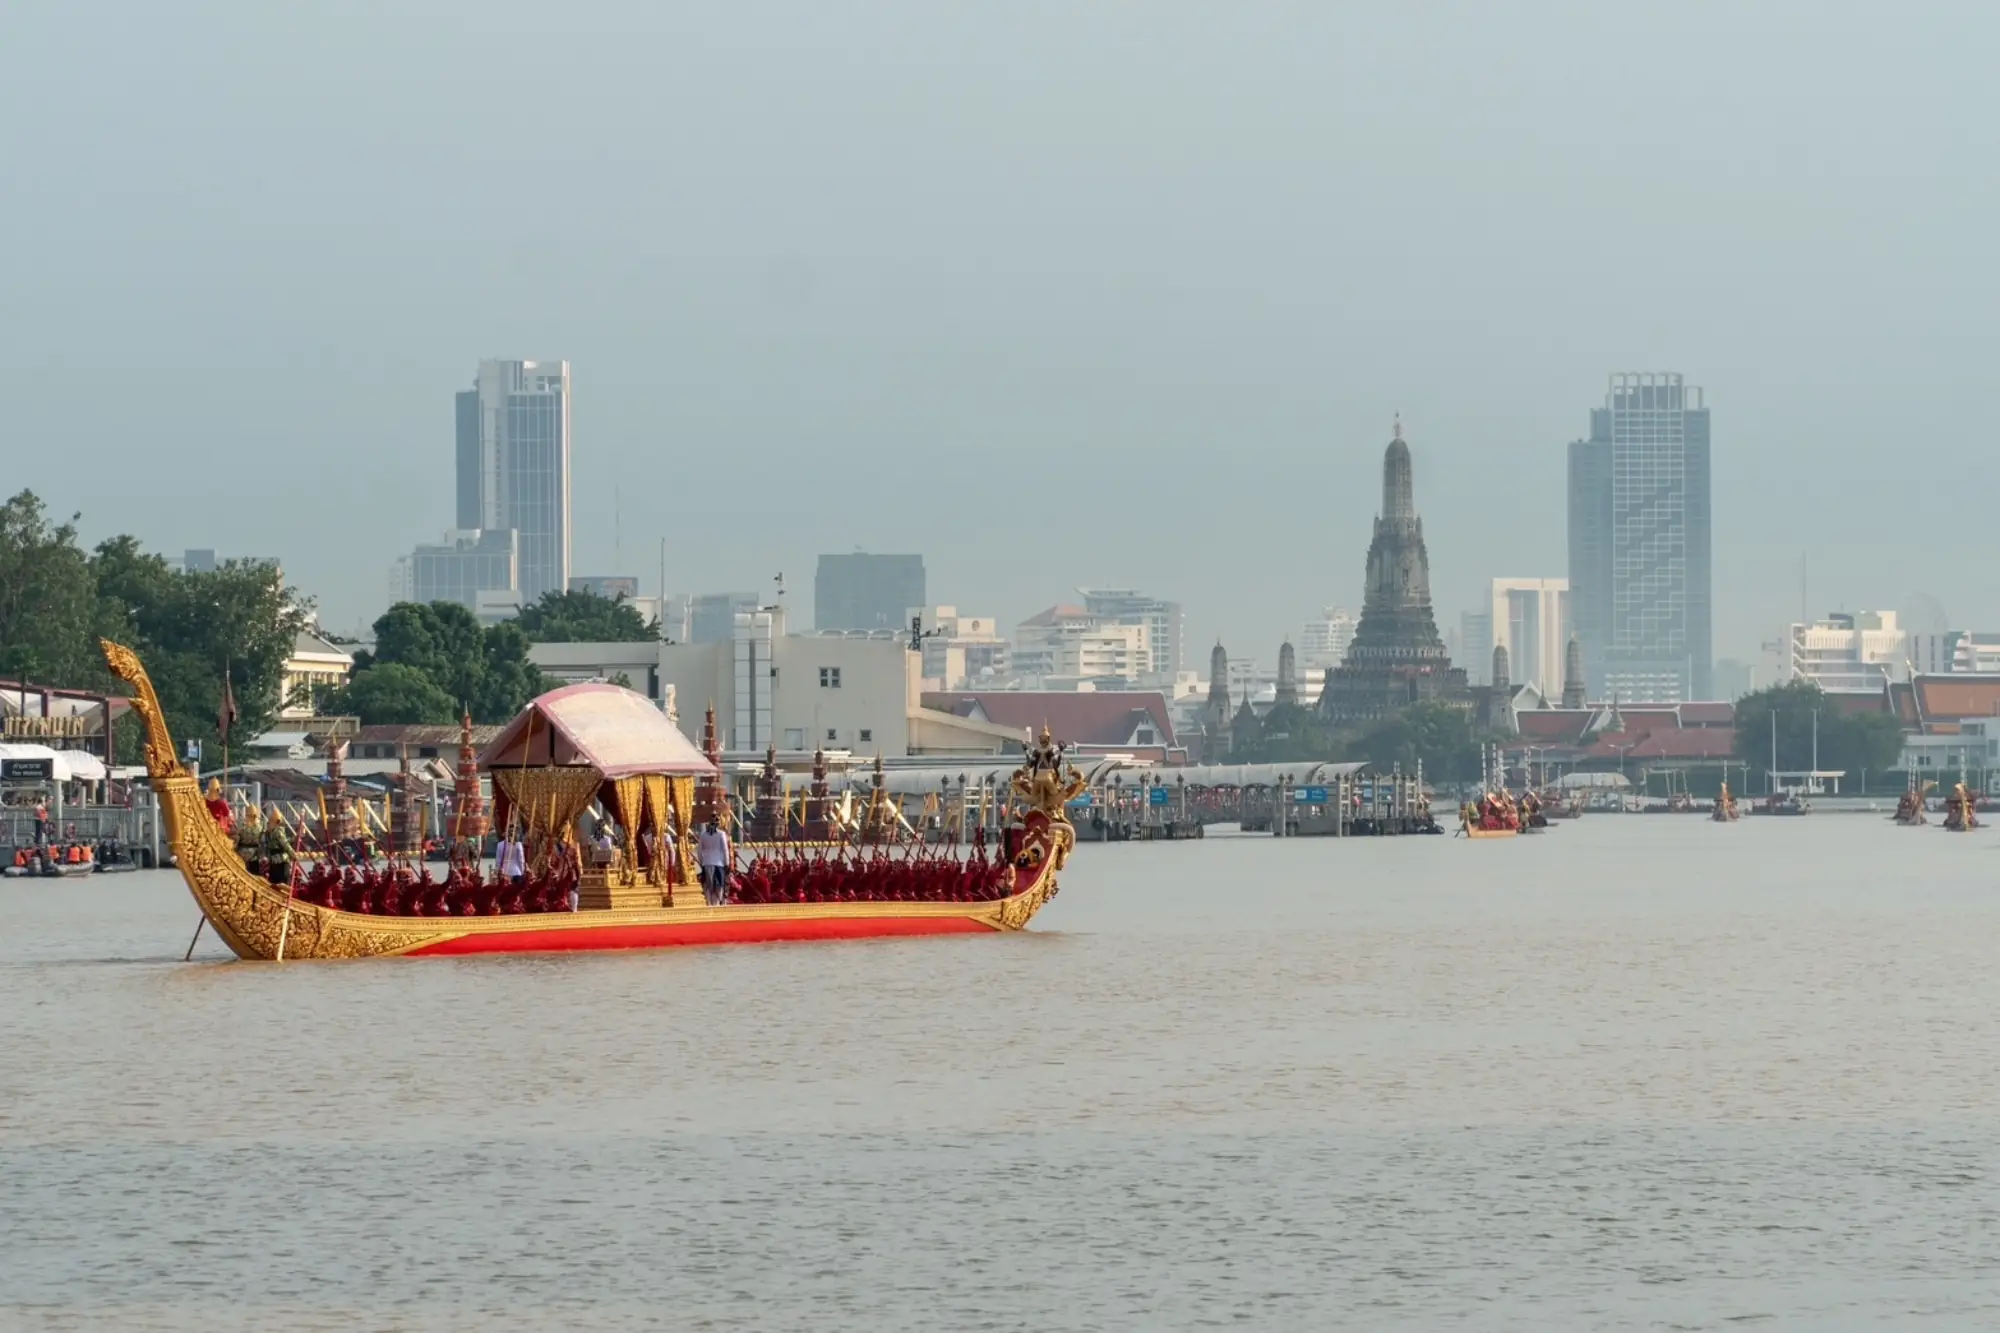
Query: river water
x=1645, y=1073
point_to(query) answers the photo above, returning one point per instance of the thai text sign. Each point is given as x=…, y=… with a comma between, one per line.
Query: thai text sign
x=50, y=728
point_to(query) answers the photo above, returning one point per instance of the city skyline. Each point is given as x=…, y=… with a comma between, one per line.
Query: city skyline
x=1133, y=351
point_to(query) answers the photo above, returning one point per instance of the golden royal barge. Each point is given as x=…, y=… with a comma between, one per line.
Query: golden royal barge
x=628, y=905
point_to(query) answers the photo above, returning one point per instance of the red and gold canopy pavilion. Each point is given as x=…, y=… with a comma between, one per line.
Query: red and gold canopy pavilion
x=597, y=744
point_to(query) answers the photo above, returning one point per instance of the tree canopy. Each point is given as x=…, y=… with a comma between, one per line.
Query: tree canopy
x=442, y=659
x=49, y=613
x=395, y=692
x=1849, y=742
x=1439, y=735
x=579, y=616
x=188, y=627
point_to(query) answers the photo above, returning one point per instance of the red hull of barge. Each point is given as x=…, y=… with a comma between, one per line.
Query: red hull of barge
x=675, y=934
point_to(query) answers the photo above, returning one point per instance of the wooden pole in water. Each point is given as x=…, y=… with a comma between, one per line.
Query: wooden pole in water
x=197, y=935
x=284, y=928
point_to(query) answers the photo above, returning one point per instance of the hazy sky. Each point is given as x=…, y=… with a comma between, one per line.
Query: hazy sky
x=1050, y=292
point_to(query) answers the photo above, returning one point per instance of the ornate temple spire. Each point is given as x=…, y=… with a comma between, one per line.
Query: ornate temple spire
x=709, y=802
x=469, y=806
x=1215, y=713
x=1218, y=677
x=407, y=834
x=1500, y=698
x=346, y=824
x=1288, y=676
x=1399, y=487
x=1573, y=694
x=1396, y=655
x=769, y=823
x=817, y=800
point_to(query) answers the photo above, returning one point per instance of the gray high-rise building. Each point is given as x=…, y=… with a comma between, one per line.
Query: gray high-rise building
x=464, y=565
x=862, y=591
x=513, y=465
x=1639, y=542
x=705, y=617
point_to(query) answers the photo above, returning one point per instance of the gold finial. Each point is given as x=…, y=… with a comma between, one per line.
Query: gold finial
x=1398, y=427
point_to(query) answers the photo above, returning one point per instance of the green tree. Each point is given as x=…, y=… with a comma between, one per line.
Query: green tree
x=392, y=692
x=1848, y=742
x=1437, y=734
x=56, y=600
x=484, y=669
x=509, y=679
x=49, y=611
x=578, y=616
x=190, y=627
x=1286, y=734
x=441, y=639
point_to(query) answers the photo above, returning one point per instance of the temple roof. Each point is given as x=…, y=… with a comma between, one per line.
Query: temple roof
x=1099, y=718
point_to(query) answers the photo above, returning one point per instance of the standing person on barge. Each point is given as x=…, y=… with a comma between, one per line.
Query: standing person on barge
x=277, y=846
x=715, y=852
x=510, y=858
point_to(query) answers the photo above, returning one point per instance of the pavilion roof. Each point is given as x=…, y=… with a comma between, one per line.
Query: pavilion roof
x=606, y=727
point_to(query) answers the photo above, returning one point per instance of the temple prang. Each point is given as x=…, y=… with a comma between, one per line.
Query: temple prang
x=1396, y=657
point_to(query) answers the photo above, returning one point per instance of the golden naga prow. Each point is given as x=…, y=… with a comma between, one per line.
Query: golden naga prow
x=258, y=919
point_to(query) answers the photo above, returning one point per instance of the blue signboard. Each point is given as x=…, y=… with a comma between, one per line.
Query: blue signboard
x=1309, y=795
x=1080, y=803
x=1157, y=796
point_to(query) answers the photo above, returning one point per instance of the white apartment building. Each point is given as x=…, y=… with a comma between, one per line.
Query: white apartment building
x=1323, y=642
x=1068, y=641
x=857, y=691
x=1164, y=622
x=1848, y=652
x=960, y=651
x=314, y=669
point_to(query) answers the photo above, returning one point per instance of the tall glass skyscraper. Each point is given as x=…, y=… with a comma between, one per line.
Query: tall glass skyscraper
x=513, y=465
x=1639, y=549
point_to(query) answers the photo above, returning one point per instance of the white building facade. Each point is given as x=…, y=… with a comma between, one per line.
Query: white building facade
x=960, y=651
x=1163, y=621
x=1323, y=642
x=1848, y=652
x=1530, y=618
x=1070, y=643
x=856, y=692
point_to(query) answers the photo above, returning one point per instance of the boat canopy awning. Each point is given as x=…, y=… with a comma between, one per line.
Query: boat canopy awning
x=83, y=765
x=604, y=727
